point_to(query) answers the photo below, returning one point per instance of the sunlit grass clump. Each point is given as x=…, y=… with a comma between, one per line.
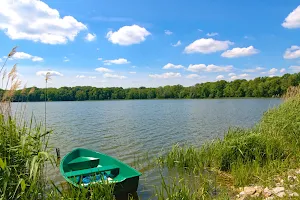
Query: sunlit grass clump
x=23, y=146
x=248, y=156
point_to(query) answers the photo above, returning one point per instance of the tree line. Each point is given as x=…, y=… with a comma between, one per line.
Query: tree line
x=258, y=87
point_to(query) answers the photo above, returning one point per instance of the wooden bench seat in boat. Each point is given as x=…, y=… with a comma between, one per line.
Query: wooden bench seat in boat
x=83, y=163
x=92, y=170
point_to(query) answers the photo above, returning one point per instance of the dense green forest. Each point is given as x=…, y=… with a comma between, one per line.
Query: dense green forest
x=259, y=87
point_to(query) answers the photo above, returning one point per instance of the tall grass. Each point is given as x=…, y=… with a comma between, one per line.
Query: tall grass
x=248, y=156
x=94, y=192
x=22, y=150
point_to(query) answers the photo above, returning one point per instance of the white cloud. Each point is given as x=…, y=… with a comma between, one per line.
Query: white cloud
x=36, y=21
x=172, y=66
x=292, y=53
x=80, y=76
x=240, y=52
x=128, y=35
x=257, y=69
x=177, y=44
x=209, y=68
x=99, y=58
x=90, y=37
x=193, y=76
x=165, y=75
x=98, y=49
x=282, y=70
x=50, y=73
x=92, y=77
x=295, y=68
x=22, y=55
x=200, y=30
x=1, y=60
x=220, y=77
x=66, y=59
x=167, y=32
x=108, y=75
x=37, y=59
x=293, y=19
x=273, y=71
x=132, y=72
x=241, y=76
x=206, y=46
x=133, y=66
x=102, y=70
x=231, y=74
x=212, y=34
x=118, y=61
x=234, y=77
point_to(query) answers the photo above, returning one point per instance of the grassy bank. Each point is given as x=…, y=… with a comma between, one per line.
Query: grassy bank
x=247, y=156
x=23, y=147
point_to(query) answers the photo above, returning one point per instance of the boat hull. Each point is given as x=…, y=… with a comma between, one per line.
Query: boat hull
x=128, y=186
x=81, y=167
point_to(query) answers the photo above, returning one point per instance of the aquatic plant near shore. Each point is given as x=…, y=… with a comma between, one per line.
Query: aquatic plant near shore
x=22, y=147
x=248, y=156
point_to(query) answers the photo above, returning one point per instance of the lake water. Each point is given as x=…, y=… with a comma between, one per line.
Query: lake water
x=133, y=128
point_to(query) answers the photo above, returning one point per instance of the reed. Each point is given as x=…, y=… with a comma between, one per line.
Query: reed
x=248, y=156
x=93, y=192
x=23, y=153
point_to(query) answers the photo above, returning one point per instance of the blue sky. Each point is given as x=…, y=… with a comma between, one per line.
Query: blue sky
x=149, y=43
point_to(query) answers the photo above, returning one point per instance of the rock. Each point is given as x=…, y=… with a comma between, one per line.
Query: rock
x=278, y=190
x=258, y=189
x=292, y=178
x=249, y=190
x=267, y=192
x=297, y=171
x=242, y=193
x=281, y=194
x=246, y=197
x=256, y=194
x=294, y=194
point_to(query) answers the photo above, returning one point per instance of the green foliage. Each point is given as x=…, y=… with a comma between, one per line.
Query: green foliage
x=94, y=192
x=259, y=87
x=189, y=187
x=22, y=160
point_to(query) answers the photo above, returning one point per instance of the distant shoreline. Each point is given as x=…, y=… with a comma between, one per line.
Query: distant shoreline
x=225, y=98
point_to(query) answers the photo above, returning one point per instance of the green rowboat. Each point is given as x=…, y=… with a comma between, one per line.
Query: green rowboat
x=82, y=167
